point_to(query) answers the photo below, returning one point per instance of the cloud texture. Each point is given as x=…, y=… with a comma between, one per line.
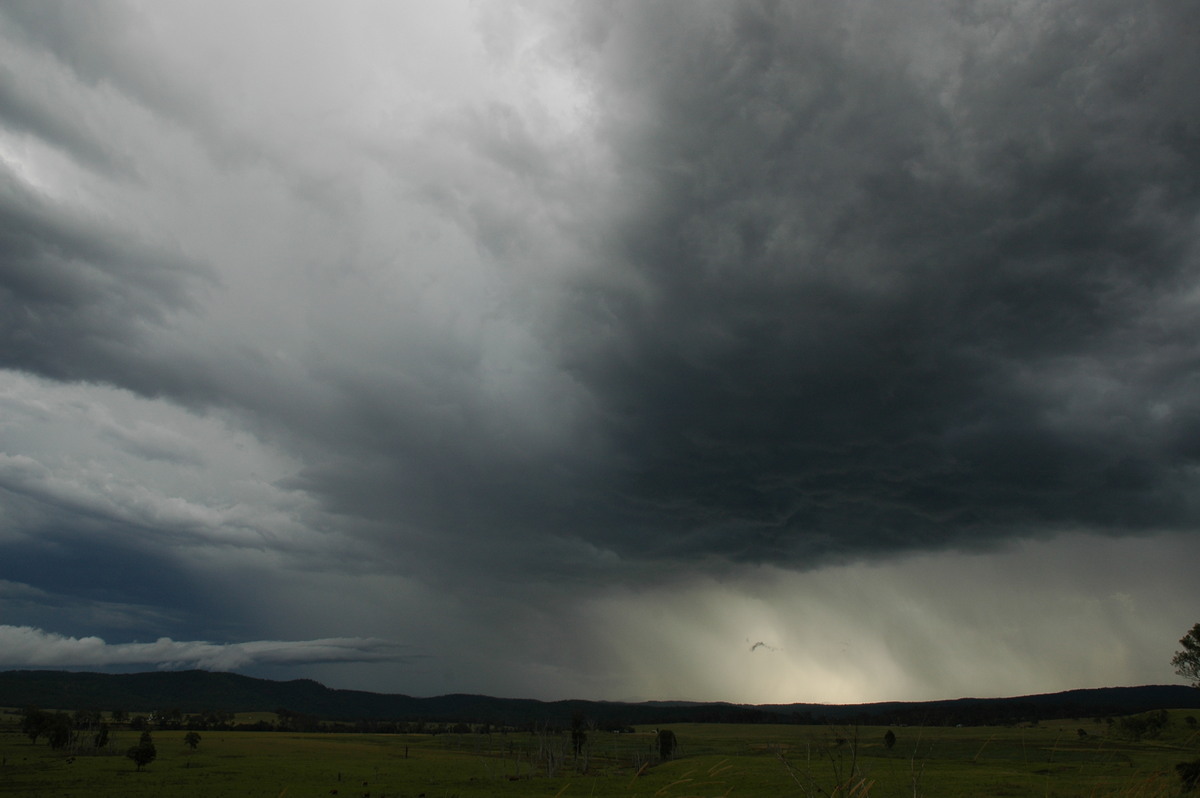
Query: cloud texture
x=489, y=330
x=25, y=646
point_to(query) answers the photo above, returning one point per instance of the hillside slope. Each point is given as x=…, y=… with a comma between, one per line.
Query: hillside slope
x=200, y=691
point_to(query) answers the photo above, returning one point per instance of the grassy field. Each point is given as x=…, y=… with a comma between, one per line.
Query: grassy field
x=1049, y=759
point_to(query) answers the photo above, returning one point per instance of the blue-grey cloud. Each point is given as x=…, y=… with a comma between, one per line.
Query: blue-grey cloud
x=78, y=297
x=24, y=646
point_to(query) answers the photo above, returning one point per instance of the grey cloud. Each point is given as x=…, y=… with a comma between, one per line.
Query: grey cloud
x=102, y=46
x=134, y=512
x=154, y=442
x=872, y=311
x=18, y=590
x=828, y=283
x=672, y=291
x=77, y=295
x=25, y=646
x=95, y=580
x=85, y=39
x=848, y=297
x=23, y=110
x=81, y=605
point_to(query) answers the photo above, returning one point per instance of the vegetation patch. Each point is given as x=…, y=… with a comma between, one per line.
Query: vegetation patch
x=1049, y=759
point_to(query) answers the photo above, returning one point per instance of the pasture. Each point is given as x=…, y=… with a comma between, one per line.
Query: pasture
x=1048, y=759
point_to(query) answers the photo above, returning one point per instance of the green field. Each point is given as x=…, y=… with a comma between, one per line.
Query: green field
x=1048, y=759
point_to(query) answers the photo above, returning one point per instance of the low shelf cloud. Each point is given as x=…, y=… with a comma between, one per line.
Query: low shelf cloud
x=574, y=345
x=25, y=646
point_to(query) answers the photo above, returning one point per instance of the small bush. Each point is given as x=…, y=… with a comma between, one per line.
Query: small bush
x=1189, y=775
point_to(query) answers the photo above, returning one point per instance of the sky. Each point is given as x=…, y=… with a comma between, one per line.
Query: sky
x=734, y=351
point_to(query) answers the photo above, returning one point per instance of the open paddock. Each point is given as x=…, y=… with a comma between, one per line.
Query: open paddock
x=1047, y=759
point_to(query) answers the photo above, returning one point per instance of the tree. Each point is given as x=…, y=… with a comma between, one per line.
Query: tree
x=59, y=734
x=144, y=752
x=1189, y=775
x=192, y=739
x=36, y=723
x=1187, y=660
x=1149, y=725
x=578, y=733
x=666, y=744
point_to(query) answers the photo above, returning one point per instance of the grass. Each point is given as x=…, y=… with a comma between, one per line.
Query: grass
x=1050, y=759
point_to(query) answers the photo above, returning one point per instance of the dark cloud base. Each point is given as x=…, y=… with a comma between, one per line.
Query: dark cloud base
x=871, y=318
x=869, y=281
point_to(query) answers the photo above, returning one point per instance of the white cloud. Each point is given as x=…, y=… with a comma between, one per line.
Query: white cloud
x=24, y=646
x=158, y=471
x=19, y=590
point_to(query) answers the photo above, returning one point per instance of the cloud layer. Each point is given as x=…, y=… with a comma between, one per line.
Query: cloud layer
x=28, y=647
x=457, y=323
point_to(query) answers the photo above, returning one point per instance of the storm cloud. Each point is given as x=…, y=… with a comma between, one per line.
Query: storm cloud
x=450, y=323
x=26, y=646
x=878, y=304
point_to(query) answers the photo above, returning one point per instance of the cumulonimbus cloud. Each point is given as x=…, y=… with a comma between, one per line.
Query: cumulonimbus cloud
x=27, y=646
x=463, y=323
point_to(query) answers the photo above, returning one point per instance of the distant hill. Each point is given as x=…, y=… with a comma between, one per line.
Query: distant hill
x=202, y=691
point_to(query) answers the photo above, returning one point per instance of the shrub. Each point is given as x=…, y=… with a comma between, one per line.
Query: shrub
x=1189, y=775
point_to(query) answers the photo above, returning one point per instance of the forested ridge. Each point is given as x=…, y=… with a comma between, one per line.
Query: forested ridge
x=204, y=691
